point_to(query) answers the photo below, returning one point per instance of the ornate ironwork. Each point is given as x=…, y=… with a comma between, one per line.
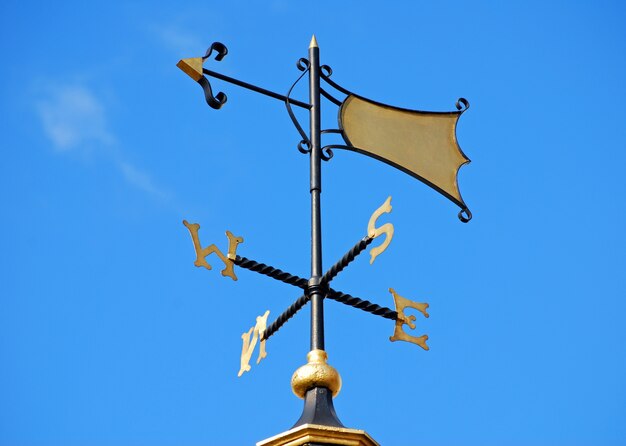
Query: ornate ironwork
x=347, y=259
x=285, y=316
x=362, y=304
x=390, y=146
x=303, y=65
x=335, y=85
x=270, y=271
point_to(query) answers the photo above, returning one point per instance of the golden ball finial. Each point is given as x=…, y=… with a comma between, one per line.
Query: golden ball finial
x=316, y=373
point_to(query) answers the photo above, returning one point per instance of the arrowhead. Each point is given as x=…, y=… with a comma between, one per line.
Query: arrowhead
x=191, y=66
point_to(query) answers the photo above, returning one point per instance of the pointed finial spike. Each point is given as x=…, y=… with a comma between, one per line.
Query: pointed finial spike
x=313, y=43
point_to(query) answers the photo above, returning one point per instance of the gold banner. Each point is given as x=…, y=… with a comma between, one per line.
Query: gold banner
x=422, y=144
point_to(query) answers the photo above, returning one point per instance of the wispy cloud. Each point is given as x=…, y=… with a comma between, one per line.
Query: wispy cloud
x=177, y=39
x=141, y=180
x=74, y=119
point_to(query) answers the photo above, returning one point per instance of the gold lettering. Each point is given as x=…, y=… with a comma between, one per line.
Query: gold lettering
x=373, y=231
x=399, y=334
x=247, y=349
x=203, y=253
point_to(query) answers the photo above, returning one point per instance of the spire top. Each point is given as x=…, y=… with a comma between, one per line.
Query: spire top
x=313, y=43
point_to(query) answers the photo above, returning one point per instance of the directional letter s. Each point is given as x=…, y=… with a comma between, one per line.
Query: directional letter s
x=373, y=231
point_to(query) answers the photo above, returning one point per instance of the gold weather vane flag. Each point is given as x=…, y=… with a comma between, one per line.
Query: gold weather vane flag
x=422, y=144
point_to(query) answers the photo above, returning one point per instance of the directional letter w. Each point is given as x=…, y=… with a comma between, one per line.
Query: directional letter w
x=203, y=253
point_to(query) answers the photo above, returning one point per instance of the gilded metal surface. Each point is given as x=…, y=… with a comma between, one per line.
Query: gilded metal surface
x=202, y=253
x=247, y=349
x=192, y=67
x=422, y=144
x=373, y=231
x=313, y=43
x=398, y=334
x=317, y=434
x=316, y=373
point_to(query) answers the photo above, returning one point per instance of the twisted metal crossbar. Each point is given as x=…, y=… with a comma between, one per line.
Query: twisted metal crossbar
x=270, y=271
x=285, y=316
x=337, y=296
x=362, y=304
x=330, y=293
x=346, y=259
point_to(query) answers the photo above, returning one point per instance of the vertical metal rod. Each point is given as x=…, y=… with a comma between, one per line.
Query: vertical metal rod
x=317, y=298
x=318, y=401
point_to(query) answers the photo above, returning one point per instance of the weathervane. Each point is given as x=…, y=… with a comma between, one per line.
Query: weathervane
x=422, y=144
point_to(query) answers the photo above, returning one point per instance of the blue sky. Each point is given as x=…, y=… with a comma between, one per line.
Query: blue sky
x=110, y=336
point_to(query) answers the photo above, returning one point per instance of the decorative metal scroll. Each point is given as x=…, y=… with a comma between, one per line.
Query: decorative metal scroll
x=422, y=144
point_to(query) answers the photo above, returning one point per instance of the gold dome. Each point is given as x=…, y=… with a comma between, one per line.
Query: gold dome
x=316, y=373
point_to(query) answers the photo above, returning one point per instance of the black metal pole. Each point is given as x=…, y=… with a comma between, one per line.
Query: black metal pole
x=318, y=401
x=317, y=297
